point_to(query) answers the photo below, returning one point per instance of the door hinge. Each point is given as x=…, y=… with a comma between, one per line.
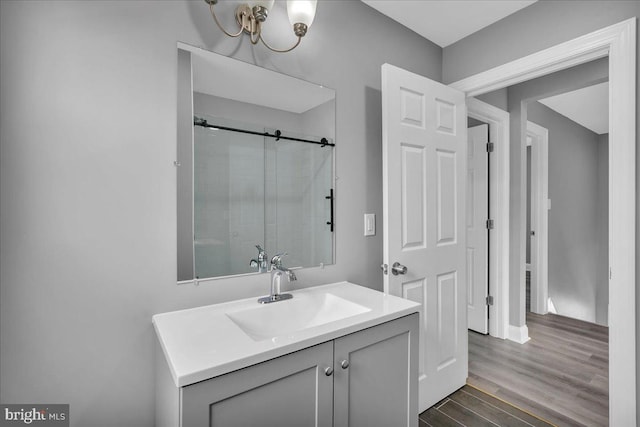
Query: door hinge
x=489, y=299
x=490, y=224
x=490, y=147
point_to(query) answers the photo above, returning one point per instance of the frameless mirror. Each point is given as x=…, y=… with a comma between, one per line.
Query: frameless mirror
x=255, y=163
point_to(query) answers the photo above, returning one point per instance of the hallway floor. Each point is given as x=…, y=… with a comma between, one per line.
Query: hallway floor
x=560, y=375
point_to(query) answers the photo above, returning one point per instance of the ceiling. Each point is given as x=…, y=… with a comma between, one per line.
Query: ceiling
x=446, y=22
x=588, y=106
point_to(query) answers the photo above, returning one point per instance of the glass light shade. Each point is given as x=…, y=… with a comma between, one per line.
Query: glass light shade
x=267, y=4
x=301, y=11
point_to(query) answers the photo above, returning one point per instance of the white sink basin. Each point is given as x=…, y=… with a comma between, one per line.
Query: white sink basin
x=302, y=312
x=204, y=342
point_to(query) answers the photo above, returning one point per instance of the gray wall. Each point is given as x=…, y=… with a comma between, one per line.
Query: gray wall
x=497, y=98
x=574, y=223
x=88, y=186
x=539, y=26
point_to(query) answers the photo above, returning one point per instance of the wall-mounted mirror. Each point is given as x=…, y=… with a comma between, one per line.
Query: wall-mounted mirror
x=255, y=167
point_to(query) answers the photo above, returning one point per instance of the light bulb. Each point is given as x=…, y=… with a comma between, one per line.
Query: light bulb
x=301, y=11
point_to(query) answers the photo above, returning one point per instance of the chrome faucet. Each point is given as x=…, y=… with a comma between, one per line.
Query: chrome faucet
x=277, y=271
x=261, y=262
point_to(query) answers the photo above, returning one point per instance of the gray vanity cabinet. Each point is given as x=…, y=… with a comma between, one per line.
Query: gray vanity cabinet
x=367, y=378
x=376, y=376
x=291, y=390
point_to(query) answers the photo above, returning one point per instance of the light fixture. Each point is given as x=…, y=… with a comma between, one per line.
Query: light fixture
x=251, y=15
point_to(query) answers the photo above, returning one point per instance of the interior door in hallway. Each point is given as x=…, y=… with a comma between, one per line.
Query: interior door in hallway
x=477, y=213
x=424, y=178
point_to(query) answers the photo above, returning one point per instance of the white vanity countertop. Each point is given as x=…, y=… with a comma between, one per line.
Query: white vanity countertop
x=203, y=342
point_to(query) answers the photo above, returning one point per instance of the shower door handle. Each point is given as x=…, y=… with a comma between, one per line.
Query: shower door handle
x=331, y=222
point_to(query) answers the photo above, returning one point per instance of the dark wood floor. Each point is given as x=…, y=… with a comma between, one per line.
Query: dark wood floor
x=473, y=408
x=561, y=374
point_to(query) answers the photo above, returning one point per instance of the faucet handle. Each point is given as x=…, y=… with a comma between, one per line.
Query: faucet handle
x=261, y=261
x=262, y=256
x=277, y=259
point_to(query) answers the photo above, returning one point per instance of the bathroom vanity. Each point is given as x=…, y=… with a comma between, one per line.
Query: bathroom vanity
x=333, y=355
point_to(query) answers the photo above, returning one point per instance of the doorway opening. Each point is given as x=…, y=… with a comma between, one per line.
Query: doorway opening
x=564, y=164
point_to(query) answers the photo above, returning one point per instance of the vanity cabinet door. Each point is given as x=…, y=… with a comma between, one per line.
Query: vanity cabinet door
x=376, y=376
x=292, y=390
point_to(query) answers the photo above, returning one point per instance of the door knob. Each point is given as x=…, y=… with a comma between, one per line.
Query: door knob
x=344, y=364
x=328, y=371
x=398, y=268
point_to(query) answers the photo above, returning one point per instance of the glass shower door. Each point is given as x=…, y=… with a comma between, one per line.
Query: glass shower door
x=299, y=180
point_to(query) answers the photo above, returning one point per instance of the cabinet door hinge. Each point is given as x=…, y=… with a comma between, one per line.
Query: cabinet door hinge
x=490, y=224
x=489, y=299
x=490, y=147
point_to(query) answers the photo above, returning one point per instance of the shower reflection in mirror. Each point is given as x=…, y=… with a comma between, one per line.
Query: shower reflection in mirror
x=261, y=172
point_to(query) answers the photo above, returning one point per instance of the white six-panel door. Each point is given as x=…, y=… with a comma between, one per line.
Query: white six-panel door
x=424, y=173
x=476, y=228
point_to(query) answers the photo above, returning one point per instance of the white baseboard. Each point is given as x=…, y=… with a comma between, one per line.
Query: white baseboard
x=519, y=334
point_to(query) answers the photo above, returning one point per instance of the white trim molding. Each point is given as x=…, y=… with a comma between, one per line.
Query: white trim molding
x=519, y=334
x=619, y=43
x=574, y=52
x=498, y=121
x=539, y=137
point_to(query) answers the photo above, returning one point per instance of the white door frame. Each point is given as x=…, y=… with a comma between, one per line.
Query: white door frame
x=498, y=121
x=539, y=216
x=618, y=42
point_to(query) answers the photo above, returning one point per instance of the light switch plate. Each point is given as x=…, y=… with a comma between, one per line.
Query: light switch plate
x=369, y=224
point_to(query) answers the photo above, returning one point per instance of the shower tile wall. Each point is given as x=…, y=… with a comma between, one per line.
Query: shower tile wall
x=228, y=208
